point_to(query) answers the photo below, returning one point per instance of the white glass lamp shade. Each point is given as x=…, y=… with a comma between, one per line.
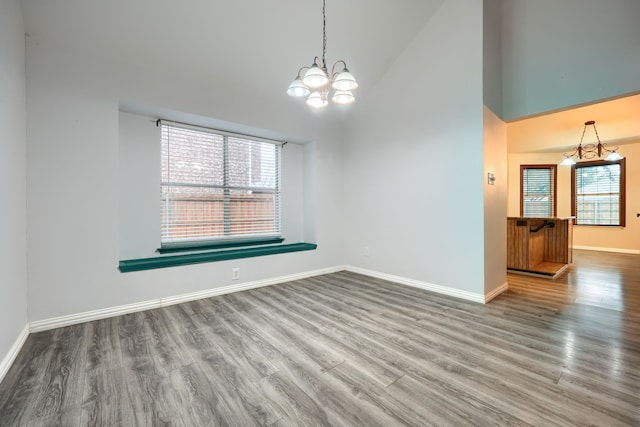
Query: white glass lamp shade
x=343, y=97
x=613, y=157
x=297, y=89
x=315, y=77
x=344, y=81
x=316, y=100
x=568, y=161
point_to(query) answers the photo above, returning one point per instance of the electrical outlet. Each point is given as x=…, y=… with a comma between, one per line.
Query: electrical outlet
x=235, y=274
x=365, y=251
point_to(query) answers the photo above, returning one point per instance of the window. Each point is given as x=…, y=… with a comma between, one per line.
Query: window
x=598, y=193
x=217, y=187
x=538, y=190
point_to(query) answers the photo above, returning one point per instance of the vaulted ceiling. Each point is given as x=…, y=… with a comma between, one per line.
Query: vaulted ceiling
x=257, y=45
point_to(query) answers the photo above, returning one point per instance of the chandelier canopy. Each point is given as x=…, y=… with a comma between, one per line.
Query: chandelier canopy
x=591, y=151
x=315, y=82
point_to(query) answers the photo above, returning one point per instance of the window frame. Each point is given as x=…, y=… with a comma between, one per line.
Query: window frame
x=227, y=241
x=622, y=208
x=554, y=189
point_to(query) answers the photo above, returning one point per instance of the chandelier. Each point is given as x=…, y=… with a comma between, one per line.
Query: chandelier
x=591, y=151
x=317, y=82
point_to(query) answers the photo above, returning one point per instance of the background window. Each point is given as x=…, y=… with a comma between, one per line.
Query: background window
x=538, y=190
x=598, y=193
x=217, y=186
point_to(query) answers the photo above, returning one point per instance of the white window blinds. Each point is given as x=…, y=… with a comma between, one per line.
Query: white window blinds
x=217, y=186
x=598, y=195
x=538, y=190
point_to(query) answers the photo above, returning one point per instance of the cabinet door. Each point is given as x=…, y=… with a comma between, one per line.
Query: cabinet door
x=517, y=244
x=558, y=242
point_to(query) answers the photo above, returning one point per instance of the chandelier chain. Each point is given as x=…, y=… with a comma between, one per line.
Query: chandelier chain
x=584, y=130
x=595, y=129
x=324, y=33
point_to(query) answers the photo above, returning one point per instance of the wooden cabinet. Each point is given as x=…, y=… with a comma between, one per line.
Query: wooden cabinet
x=539, y=245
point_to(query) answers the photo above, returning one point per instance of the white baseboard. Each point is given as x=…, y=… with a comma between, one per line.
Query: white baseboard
x=469, y=296
x=13, y=352
x=497, y=291
x=600, y=249
x=74, y=319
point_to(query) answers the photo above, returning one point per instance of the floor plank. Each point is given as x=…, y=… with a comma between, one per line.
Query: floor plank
x=345, y=349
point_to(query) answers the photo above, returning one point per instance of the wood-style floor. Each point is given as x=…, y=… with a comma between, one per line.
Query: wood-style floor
x=345, y=349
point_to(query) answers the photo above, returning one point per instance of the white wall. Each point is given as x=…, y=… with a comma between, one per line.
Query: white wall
x=13, y=205
x=414, y=159
x=563, y=53
x=138, y=189
x=73, y=201
x=495, y=202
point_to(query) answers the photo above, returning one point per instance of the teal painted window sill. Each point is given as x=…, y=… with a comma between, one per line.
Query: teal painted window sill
x=139, y=264
x=190, y=247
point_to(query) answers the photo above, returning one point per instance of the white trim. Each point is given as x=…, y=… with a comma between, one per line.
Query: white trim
x=445, y=290
x=246, y=286
x=88, y=316
x=73, y=319
x=497, y=291
x=13, y=352
x=600, y=249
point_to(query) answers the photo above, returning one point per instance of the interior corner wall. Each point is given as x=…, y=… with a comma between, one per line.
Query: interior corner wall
x=495, y=150
x=495, y=201
x=73, y=105
x=13, y=208
x=419, y=214
x=492, y=55
x=559, y=54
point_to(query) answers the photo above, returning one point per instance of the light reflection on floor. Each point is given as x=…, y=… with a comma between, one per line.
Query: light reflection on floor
x=597, y=301
x=599, y=289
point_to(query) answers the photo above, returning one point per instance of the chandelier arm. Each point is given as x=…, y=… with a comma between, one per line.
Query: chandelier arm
x=608, y=149
x=300, y=71
x=333, y=69
x=572, y=154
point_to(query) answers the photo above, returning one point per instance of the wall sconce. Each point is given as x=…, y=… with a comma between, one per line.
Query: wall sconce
x=491, y=178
